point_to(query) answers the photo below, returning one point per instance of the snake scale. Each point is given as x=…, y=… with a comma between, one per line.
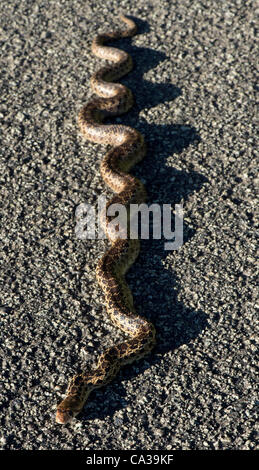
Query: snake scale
x=127, y=148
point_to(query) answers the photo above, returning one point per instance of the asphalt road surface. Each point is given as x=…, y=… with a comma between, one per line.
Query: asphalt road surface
x=194, y=83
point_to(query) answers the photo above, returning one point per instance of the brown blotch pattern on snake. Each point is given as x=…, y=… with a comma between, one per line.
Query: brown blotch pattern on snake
x=128, y=148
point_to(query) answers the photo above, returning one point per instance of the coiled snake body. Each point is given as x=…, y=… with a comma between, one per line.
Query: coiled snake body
x=127, y=148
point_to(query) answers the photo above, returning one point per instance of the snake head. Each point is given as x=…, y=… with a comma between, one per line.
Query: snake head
x=64, y=416
x=67, y=410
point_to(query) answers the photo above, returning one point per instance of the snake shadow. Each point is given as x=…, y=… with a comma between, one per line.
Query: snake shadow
x=155, y=296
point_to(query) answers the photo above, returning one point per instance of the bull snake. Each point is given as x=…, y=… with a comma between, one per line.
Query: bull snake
x=127, y=148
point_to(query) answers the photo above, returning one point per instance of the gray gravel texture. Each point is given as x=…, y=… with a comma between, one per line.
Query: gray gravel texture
x=194, y=84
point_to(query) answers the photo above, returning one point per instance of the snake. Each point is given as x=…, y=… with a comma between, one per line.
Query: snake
x=126, y=148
